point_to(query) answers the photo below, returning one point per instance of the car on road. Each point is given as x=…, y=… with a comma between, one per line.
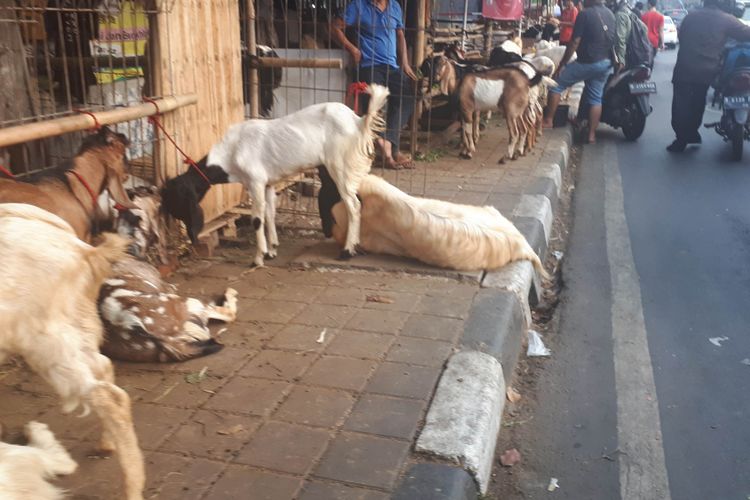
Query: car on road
x=746, y=16
x=674, y=9
x=669, y=33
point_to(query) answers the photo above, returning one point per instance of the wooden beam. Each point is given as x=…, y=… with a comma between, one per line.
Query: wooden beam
x=277, y=62
x=58, y=126
x=252, y=46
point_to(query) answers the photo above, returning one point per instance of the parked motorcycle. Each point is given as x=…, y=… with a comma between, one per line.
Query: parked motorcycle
x=732, y=94
x=625, y=104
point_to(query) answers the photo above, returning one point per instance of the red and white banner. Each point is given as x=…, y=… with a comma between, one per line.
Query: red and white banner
x=502, y=10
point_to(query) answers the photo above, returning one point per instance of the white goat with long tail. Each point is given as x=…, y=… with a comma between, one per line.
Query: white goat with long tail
x=259, y=153
x=49, y=282
x=436, y=232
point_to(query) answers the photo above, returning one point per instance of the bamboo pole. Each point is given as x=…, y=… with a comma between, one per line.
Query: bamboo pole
x=252, y=47
x=277, y=62
x=466, y=19
x=419, y=50
x=59, y=126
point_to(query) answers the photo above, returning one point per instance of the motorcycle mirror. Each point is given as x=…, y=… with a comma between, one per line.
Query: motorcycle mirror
x=739, y=11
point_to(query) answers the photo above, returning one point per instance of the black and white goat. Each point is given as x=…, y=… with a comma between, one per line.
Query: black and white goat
x=436, y=232
x=259, y=153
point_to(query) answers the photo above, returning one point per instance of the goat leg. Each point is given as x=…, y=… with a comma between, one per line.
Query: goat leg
x=273, y=237
x=258, y=194
x=353, y=209
x=112, y=405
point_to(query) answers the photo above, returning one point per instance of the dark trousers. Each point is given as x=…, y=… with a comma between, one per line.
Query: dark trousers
x=400, y=100
x=688, y=103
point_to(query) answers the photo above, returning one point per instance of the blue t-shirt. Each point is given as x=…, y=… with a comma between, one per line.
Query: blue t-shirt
x=376, y=31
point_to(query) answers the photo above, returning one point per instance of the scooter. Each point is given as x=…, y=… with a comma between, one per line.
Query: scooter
x=732, y=94
x=625, y=104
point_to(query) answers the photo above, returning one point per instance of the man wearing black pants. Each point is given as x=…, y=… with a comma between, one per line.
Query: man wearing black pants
x=381, y=46
x=703, y=35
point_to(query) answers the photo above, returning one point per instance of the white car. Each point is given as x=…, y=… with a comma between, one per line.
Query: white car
x=669, y=33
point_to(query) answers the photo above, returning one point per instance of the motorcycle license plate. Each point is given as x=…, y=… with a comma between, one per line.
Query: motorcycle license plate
x=737, y=102
x=643, y=88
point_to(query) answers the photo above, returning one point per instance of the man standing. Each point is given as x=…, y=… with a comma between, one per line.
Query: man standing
x=567, y=20
x=593, y=39
x=703, y=35
x=623, y=25
x=654, y=21
x=381, y=45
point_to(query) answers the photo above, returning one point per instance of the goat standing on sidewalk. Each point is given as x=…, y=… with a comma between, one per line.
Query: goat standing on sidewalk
x=260, y=153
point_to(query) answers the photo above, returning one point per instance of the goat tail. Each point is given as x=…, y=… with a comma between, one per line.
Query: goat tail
x=111, y=249
x=549, y=82
x=373, y=120
x=536, y=262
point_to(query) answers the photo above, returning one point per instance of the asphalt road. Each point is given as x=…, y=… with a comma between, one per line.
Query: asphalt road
x=636, y=402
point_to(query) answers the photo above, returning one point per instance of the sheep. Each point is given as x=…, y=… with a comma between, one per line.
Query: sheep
x=24, y=470
x=435, y=232
x=48, y=288
x=259, y=153
x=100, y=163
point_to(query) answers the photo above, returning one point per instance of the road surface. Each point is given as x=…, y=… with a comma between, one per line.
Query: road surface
x=646, y=395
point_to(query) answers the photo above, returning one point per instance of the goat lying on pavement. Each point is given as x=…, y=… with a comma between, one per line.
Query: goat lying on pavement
x=70, y=192
x=24, y=470
x=48, y=288
x=436, y=232
x=259, y=153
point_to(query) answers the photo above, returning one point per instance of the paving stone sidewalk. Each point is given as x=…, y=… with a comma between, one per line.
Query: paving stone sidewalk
x=326, y=375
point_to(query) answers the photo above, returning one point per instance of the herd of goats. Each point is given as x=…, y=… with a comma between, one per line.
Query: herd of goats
x=72, y=296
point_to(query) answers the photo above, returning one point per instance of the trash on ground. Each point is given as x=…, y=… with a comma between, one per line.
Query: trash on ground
x=718, y=340
x=380, y=299
x=235, y=429
x=536, y=346
x=746, y=361
x=322, y=336
x=553, y=484
x=196, y=377
x=558, y=254
x=512, y=395
x=510, y=458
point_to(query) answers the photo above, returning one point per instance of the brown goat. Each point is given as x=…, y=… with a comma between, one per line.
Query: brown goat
x=100, y=164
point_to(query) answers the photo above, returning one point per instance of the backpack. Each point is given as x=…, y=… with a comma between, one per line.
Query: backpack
x=638, y=48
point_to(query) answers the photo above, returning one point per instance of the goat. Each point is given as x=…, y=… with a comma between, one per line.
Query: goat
x=435, y=232
x=269, y=79
x=48, y=288
x=100, y=164
x=505, y=53
x=259, y=153
x=24, y=470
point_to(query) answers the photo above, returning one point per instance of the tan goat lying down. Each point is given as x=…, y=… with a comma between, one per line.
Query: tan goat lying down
x=49, y=282
x=436, y=232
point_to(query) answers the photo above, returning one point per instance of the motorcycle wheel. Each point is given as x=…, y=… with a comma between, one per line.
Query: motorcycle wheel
x=634, y=123
x=738, y=140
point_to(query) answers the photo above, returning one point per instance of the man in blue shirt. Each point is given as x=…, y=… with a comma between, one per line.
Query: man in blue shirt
x=379, y=29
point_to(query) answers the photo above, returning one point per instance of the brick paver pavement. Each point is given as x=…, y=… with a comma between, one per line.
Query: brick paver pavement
x=285, y=411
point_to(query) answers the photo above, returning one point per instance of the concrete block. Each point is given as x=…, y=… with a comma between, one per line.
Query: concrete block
x=436, y=482
x=538, y=207
x=464, y=418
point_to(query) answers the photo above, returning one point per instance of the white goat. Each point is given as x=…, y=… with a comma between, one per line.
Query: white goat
x=436, y=232
x=259, y=153
x=24, y=470
x=48, y=288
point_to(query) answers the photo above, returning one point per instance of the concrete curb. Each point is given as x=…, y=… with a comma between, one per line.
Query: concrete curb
x=465, y=415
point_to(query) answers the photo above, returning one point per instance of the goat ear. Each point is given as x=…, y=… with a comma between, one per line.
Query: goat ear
x=117, y=191
x=194, y=222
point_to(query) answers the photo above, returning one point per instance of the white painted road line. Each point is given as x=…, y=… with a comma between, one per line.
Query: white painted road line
x=643, y=471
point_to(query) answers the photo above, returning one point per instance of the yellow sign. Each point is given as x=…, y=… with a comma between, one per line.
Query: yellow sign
x=121, y=34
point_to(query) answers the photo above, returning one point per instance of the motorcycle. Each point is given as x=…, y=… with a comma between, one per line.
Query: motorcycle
x=625, y=104
x=732, y=94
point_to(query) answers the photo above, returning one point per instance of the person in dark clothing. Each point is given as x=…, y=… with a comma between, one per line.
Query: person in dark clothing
x=703, y=35
x=593, y=39
x=381, y=57
x=638, y=9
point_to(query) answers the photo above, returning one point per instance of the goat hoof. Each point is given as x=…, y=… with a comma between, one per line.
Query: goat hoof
x=269, y=256
x=502, y=161
x=465, y=156
x=346, y=255
x=257, y=263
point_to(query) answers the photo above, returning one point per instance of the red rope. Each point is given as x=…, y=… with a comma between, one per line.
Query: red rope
x=7, y=172
x=97, y=125
x=155, y=120
x=86, y=185
x=354, y=90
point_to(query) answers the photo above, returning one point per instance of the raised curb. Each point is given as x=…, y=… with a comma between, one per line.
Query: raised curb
x=464, y=418
x=436, y=482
